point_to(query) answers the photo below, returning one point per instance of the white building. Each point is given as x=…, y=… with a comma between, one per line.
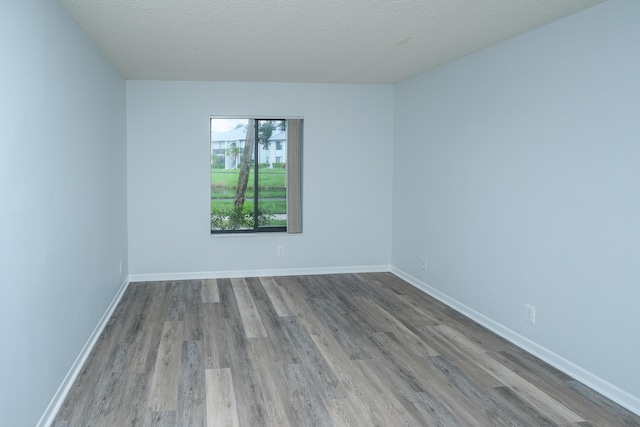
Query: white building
x=223, y=142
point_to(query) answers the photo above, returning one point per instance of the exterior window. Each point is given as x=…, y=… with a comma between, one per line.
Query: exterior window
x=252, y=189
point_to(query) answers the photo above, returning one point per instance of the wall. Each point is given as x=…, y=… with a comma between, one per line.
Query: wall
x=517, y=176
x=62, y=200
x=348, y=138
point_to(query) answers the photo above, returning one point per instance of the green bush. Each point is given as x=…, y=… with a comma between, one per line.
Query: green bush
x=237, y=218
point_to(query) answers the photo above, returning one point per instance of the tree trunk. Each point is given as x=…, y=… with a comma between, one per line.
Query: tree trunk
x=245, y=167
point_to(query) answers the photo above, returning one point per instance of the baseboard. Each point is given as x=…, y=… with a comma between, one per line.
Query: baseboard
x=603, y=387
x=55, y=404
x=258, y=273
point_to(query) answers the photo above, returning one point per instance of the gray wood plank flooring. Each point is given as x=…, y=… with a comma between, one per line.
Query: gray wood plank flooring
x=331, y=350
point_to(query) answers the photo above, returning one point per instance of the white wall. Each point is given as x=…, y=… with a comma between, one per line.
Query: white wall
x=517, y=175
x=346, y=197
x=62, y=200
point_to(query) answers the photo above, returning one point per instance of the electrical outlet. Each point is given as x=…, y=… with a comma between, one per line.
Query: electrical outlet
x=280, y=250
x=423, y=264
x=530, y=313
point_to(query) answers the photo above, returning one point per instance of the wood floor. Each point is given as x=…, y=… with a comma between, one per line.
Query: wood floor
x=343, y=350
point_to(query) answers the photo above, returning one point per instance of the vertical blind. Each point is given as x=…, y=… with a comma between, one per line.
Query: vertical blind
x=294, y=176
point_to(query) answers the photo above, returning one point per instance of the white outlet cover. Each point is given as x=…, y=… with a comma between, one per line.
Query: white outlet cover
x=530, y=313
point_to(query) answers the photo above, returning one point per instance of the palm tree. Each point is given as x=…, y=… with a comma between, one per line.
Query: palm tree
x=234, y=151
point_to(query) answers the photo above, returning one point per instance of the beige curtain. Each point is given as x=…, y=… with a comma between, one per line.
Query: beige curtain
x=294, y=176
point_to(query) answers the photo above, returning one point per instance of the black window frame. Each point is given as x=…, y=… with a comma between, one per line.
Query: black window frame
x=256, y=176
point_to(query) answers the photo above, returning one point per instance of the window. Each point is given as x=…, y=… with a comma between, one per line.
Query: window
x=252, y=189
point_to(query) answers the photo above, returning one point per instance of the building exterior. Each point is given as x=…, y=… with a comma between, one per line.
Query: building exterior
x=223, y=152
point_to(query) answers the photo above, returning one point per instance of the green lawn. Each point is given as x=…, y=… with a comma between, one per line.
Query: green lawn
x=271, y=186
x=266, y=206
x=230, y=193
x=228, y=178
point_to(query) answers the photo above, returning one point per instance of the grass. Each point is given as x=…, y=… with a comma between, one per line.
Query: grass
x=267, y=206
x=228, y=178
x=230, y=193
x=271, y=186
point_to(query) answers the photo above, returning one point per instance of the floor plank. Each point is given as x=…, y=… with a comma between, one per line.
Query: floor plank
x=163, y=392
x=251, y=320
x=191, y=407
x=221, y=401
x=280, y=304
x=162, y=419
x=210, y=291
x=216, y=337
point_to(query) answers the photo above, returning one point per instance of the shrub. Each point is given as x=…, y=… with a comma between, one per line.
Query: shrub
x=236, y=218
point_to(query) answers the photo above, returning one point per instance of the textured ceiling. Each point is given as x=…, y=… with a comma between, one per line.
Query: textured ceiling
x=337, y=41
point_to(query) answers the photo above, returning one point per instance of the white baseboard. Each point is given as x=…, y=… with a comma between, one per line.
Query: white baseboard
x=258, y=273
x=55, y=404
x=603, y=387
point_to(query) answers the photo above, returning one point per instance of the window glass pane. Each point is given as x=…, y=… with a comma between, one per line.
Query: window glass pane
x=228, y=142
x=272, y=192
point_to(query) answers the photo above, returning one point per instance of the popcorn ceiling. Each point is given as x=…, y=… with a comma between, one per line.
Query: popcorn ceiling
x=316, y=41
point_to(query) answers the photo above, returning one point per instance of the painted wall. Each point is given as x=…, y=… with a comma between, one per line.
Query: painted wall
x=62, y=200
x=348, y=138
x=517, y=175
